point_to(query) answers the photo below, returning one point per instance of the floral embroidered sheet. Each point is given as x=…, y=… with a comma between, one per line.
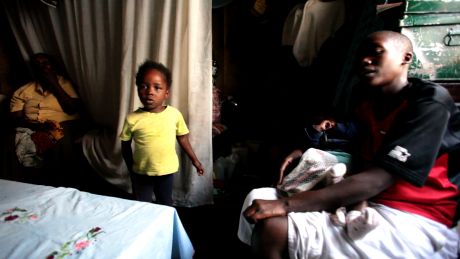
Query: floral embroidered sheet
x=46, y=222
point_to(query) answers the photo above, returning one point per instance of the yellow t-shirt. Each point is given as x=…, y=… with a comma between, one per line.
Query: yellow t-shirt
x=154, y=136
x=39, y=105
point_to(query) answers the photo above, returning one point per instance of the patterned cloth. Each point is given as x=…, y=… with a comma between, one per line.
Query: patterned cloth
x=314, y=166
x=216, y=104
x=25, y=148
x=31, y=145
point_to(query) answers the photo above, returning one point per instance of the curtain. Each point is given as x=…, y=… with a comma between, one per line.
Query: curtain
x=101, y=44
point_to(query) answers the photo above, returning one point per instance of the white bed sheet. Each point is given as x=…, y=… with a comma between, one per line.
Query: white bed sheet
x=46, y=222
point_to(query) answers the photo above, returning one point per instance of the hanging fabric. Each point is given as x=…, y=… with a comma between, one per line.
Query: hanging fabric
x=320, y=19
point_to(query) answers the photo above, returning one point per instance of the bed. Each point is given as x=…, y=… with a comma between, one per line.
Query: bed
x=46, y=222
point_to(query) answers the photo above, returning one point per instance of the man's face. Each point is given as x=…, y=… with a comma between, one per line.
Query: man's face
x=381, y=62
x=43, y=64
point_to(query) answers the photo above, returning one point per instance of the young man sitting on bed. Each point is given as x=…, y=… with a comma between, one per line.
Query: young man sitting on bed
x=411, y=127
x=47, y=120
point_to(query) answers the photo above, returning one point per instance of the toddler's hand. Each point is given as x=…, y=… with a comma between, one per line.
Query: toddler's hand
x=199, y=168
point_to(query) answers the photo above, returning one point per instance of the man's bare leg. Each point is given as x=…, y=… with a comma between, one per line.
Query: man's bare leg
x=270, y=238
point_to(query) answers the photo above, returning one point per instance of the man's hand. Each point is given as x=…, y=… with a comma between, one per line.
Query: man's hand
x=262, y=209
x=51, y=82
x=287, y=161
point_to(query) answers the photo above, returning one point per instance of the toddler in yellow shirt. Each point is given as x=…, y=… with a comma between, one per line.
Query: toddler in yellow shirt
x=154, y=129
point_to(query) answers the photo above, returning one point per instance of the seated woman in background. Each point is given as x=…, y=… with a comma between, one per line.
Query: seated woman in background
x=46, y=113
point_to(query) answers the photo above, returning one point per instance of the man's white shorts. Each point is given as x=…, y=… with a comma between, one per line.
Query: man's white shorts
x=398, y=235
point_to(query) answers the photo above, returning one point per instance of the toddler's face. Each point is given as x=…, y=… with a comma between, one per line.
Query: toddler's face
x=153, y=91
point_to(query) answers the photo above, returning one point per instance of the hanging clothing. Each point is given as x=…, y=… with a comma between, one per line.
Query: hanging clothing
x=319, y=21
x=291, y=25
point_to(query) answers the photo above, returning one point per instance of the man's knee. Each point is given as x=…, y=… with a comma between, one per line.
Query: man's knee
x=269, y=239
